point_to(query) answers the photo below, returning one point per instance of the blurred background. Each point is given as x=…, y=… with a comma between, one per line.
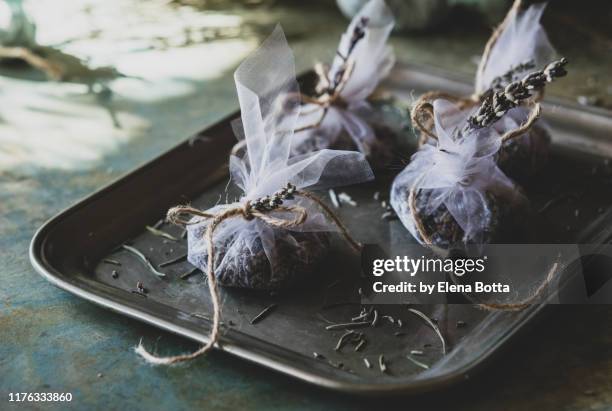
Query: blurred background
x=78, y=79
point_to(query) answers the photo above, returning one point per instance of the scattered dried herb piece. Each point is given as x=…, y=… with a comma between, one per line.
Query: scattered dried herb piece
x=346, y=199
x=348, y=325
x=375, y=319
x=382, y=364
x=141, y=288
x=418, y=363
x=360, y=344
x=336, y=364
x=173, y=261
x=115, y=274
x=432, y=325
x=416, y=352
x=389, y=216
x=111, y=261
x=400, y=323
x=189, y=273
x=318, y=356
x=161, y=233
x=343, y=339
x=143, y=258
x=263, y=314
x=334, y=198
x=367, y=363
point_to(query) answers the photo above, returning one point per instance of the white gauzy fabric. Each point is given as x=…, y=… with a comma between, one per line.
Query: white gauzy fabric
x=522, y=40
x=459, y=170
x=373, y=59
x=267, y=90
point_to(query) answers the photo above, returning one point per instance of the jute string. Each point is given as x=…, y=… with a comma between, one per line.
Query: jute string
x=247, y=212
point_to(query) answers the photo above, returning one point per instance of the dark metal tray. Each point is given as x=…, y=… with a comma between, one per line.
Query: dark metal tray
x=70, y=248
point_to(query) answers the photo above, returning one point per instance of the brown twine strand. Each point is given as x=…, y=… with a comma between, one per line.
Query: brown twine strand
x=248, y=212
x=515, y=306
x=422, y=115
x=534, y=114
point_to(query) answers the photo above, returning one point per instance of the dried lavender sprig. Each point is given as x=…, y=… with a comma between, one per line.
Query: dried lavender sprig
x=357, y=35
x=269, y=203
x=497, y=104
x=509, y=76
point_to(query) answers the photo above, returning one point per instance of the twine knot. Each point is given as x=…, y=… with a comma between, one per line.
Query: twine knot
x=259, y=208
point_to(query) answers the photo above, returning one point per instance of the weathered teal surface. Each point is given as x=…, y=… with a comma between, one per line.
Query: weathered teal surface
x=52, y=341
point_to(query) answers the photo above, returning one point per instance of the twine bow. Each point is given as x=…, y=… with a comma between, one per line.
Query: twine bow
x=249, y=210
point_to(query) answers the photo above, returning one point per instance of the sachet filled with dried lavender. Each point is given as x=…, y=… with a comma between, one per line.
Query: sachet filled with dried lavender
x=341, y=114
x=277, y=231
x=518, y=49
x=453, y=192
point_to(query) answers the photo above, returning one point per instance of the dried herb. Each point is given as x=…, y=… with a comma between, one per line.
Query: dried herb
x=360, y=344
x=497, y=103
x=266, y=311
x=416, y=352
x=343, y=339
x=512, y=74
x=115, y=274
x=418, y=363
x=110, y=261
x=161, y=233
x=367, y=363
x=318, y=356
x=347, y=199
x=334, y=198
x=375, y=319
x=189, y=273
x=173, y=261
x=429, y=322
x=389, y=216
x=143, y=258
x=348, y=325
x=382, y=364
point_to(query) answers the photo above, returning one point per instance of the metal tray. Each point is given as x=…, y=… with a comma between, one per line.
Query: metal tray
x=70, y=248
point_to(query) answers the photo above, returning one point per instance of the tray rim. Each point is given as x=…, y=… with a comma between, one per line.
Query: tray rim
x=48, y=272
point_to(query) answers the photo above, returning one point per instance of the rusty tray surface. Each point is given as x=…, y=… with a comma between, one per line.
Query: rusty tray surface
x=70, y=249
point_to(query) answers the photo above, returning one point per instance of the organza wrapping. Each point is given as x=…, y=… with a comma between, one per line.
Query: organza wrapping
x=459, y=171
x=522, y=40
x=373, y=60
x=267, y=87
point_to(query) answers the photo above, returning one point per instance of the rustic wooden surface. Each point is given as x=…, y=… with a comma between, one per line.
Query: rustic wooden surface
x=58, y=143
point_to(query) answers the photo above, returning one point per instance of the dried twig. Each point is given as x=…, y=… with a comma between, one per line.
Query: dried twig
x=144, y=259
x=266, y=311
x=498, y=103
x=432, y=325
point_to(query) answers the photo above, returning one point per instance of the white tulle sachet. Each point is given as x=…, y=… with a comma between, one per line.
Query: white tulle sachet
x=518, y=47
x=453, y=192
x=341, y=108
x=269, y=246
